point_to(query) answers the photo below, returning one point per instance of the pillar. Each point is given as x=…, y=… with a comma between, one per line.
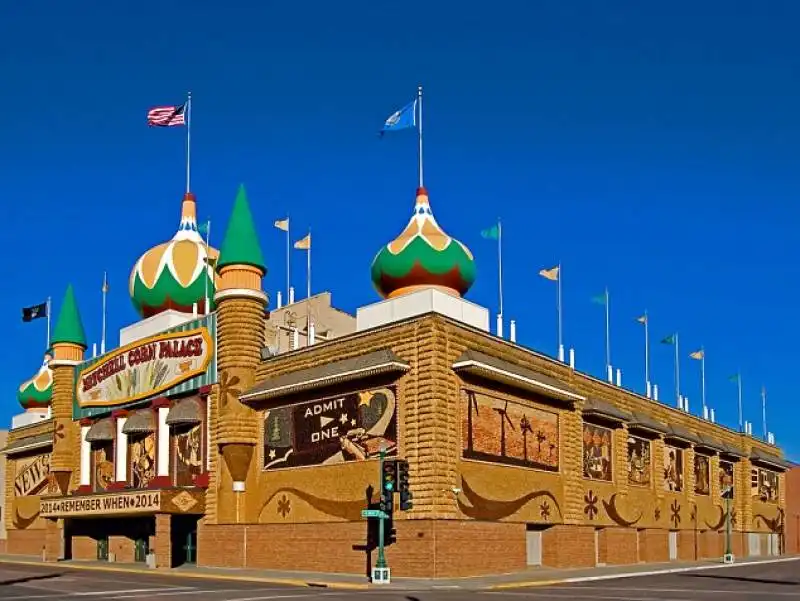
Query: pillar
x=121, y=448
x=163, y=540
x=241, y=325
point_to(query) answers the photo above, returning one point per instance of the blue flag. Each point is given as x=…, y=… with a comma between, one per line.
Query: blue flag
x=403, y=119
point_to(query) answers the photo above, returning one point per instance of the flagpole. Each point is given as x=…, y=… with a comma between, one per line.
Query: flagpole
x=49, y=310
x=703, y=378
x=764, y=410
x=208, y=264
x=677, y=372
x=308, y=266
x=608, y=338
x=560, y=324
x=188, y=141
x=419, y=132
x=103, y=329
x=500, y=263
x=739, y=386
x=288, y=253
x=647, y=353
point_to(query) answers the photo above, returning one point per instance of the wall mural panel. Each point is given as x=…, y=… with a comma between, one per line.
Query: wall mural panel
x=673, y=468
x=639, y=461
x=102, y=465
x=597, y=452
x=351, y=427
x=764, y=485
x=31, y=477
x=725, y=476
x=505, y=432
x=142, y=453
x=702, y=474
x=188, y=454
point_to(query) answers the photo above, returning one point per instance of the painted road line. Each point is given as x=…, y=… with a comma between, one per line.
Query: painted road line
x=592, y=597
x=578, y=579
x=134, y=590
x=704, y=591
x=203, y=592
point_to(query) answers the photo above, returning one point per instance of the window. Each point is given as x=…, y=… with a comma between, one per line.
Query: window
x=597, y=452
x=639, y=461
x=764, y=485
x=102, y=465
x=673, y=468
x=141, y=459
x=702, y=480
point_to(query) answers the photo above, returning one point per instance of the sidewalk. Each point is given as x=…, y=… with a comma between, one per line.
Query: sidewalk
x=528, y=578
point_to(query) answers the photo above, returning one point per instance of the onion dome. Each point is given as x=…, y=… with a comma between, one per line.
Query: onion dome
x=423, y=256
x=37, y=392
x=175, y=274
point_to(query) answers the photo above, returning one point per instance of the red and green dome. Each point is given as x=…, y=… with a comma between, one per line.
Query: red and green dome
x=37, y=392
x=423, y=256
x=176, y=274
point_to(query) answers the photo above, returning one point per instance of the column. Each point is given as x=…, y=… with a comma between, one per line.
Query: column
x=163, y=443
x=121, y=459
x=86, y=458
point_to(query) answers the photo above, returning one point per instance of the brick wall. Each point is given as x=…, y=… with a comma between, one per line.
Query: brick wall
x=792, y=492
x=84, y=548
x=653, y=545
x=122, y=547
x=568, y=547
x=25, y=542
x=618, y=546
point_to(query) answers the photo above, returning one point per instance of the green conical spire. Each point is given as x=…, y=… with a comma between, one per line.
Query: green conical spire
x=69, y=327
x=240, y=246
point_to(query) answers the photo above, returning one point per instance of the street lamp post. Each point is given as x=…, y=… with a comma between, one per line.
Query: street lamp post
x=728, y=558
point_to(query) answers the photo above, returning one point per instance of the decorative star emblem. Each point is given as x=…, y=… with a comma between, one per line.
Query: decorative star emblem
x=228, y=391
x=284, y=506
x=353, y=423
x=675, y=510
x=343, y=419
x=591, y=505
x=544, y=509
x=272, y=453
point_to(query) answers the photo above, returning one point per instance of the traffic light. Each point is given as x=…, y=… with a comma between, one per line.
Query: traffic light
x=389, y=477
x=403, y=486
x=386, y=505
x=391, y=534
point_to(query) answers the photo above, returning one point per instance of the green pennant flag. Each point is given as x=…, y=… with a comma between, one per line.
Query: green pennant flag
x=493, y=233
x=669, y=339
x=599, y=299
x=202, y=228
x=734, y=378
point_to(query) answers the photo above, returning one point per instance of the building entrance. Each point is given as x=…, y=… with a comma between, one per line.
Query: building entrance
x=184, y=540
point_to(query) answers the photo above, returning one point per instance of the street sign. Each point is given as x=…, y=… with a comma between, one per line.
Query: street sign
x=373, y=513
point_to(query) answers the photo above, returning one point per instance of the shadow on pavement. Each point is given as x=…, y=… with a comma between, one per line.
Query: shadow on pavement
x=744, y=579
x=29, y=579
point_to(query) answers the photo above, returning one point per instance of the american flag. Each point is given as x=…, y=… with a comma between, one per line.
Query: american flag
x=167, y=116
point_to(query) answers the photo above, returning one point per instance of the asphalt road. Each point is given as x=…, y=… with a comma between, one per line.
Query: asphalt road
x=765, y=582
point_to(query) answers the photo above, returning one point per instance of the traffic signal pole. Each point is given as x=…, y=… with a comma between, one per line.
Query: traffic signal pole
x=381, y=563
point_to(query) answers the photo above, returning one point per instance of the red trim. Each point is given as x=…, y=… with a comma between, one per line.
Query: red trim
x=421, y=191
x=202, y=480
x=117, y=485
x=86, y=421
x=161, y=401
x=160, y=482
x=83, y=489
x=204, y=390
x=119, y=413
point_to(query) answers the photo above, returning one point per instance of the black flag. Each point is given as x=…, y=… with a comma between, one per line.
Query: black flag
x=34, y=312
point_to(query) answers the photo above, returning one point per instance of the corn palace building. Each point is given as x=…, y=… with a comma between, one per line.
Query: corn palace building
x=226, y=433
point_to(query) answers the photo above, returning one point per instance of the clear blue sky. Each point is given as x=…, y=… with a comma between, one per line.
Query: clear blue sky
x=652, y=149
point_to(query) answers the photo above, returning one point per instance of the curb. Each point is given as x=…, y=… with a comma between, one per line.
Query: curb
x=172, y=574
x=665, y=571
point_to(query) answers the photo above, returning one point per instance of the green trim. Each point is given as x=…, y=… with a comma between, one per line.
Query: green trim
x=167, y=288
x=241, y=246
x=69, y=327
x=433, y=261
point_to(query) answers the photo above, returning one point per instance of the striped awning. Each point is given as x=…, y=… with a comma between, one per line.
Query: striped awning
x=185, y=412
x=101, y=431
x=140, y=422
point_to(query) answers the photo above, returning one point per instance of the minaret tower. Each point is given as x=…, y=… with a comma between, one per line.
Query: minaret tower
x=68, y=345
x=241, y=323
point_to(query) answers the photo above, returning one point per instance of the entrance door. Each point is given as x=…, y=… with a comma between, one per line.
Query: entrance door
x=102, y=549
x=184, y=539
x=673, y=546
x=140, y=550
x=190, y=548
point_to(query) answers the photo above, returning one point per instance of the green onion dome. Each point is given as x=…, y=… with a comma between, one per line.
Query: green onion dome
x=37, y=392
x=176, y=274
x=423, y=256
